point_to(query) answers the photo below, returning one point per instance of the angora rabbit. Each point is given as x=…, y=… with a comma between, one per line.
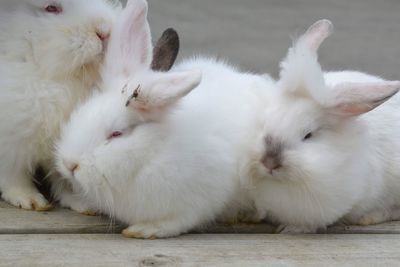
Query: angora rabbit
x=50, y=52
x=165, y=53
x=328, y=148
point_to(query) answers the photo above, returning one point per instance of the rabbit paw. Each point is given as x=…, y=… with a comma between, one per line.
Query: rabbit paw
x=374, y=217
x=70, y=201
x=162, y=229
x=83, y=209
x=26, y=198
x=141, y=231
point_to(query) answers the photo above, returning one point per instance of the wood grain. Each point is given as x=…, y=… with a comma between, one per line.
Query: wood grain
x=200, y=250
x=56, y=221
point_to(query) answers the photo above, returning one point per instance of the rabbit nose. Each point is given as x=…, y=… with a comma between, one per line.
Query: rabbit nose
x=103, y=31
x=71, y=166
x=272, y=158
x=102, y=36
x=271, y=163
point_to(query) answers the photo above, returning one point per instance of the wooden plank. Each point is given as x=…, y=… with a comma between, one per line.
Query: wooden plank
x=62, y=221
x=383, y=228
x=200, y=250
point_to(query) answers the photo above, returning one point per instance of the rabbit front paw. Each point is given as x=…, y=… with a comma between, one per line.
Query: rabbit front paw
x=73, y=202
x=159, y=229
x=374, y=217
x=26, y=198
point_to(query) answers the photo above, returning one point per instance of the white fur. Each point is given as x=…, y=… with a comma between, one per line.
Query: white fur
x=175, y=166
x=349, y=167
x=48, y=63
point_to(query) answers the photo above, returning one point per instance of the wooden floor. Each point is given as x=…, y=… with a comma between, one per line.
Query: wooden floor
x=65, y=238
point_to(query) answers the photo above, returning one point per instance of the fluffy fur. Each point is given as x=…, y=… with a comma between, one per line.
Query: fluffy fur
x=164, y=162
x=48, y=63
x=319, y=156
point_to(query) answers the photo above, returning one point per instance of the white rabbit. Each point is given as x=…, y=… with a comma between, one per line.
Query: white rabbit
x=50, y=52
x=165, y=161
x=326, y=149
x=165, y=53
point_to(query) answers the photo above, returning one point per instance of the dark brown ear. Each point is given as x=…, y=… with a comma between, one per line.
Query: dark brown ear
x=165, y=51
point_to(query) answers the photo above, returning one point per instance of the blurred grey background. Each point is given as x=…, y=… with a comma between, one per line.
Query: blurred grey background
x=255, y=34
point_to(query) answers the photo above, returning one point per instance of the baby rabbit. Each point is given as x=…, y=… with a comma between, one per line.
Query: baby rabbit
x=151, y=152
x=50, y=52
x=327, y=148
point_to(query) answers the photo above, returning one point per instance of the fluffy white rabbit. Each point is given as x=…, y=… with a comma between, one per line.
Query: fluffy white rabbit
x=50, y=52
x=326, y=149
x=150, y=153
x=165, y=53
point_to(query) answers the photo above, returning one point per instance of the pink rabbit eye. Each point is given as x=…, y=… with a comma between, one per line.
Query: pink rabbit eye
x=55, y=9
x=114, y=134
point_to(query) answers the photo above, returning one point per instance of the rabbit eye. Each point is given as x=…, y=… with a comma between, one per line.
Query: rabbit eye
x=55, y=9
x=307, y=136
x=114, y=134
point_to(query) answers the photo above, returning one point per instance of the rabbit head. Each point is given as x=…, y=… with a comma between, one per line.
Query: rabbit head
x=311, y=128
x=62, y=38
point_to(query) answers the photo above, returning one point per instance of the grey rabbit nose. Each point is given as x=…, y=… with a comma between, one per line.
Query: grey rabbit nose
x=272, y=158
x=271, y=163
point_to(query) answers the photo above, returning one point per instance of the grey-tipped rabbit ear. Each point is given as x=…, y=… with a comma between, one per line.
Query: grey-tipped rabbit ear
x=317, y=33
x=165, y=51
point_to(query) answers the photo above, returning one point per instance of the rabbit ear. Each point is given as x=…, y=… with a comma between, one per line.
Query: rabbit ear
x=162, y=91
x=316, y=34
x=300, y=71
x=165, y=51
x=130, y=44
x=353, y=99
